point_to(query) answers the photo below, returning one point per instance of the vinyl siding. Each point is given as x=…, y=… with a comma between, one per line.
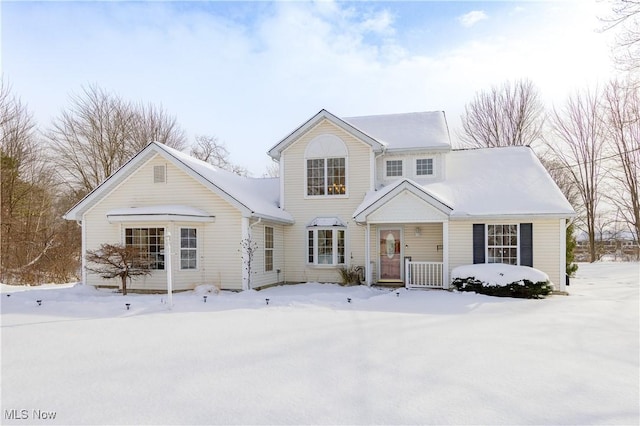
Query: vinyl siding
x=304, y=209
x=219, y=260
x=260, y=276
x=546, y=244
x=426, y=247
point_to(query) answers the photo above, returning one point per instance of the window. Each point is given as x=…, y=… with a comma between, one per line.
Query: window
x=159, y=174
x=394, y=168
x=502, y=244
x=150, y=242
x=326, y=176
x=268, y=248
x=188, y=248
x=424, y=166
x=325, y=246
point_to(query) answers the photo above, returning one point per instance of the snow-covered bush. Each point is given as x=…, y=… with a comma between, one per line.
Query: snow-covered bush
x=497, y=279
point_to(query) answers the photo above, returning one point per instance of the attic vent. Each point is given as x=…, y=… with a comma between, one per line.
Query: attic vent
x=159, y=174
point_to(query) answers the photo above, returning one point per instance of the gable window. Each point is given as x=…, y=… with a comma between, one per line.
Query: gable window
x=149, y=241
x=268, y=248
x=325, y=246
x=424, y=167
x=159, y=174
x=394, y=168
x=188, y=248
x=502, y=244
x=326, y=176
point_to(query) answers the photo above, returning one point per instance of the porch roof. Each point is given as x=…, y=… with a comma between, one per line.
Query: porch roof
x=162, y=213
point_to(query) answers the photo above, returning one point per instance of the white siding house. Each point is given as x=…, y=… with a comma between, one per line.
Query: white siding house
x=383, y=193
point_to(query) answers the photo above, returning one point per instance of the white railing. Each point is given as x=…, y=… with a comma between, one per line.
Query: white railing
x=423, y=274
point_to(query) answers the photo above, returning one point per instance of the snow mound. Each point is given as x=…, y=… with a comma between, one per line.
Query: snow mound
x=499, y=274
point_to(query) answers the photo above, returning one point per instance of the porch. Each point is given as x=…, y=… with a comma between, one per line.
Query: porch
x=411, y=255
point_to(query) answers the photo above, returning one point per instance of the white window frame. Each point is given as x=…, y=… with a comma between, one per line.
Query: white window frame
x=433, y=167
x=268, y=249
x=189, y=249
x=395, y=160
x=502, y=246
x=145, y=243
x=325, y=163
x=313, y=246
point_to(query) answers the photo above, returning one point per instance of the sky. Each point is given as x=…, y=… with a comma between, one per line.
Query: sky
x=249, y=73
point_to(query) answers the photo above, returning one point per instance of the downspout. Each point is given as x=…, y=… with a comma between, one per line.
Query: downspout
x=83, y=252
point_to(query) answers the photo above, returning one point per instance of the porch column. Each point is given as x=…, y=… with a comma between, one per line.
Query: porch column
x=367, y=255
x=445, y=254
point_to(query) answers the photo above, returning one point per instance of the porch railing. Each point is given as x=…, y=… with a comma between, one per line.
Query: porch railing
x=423, y=274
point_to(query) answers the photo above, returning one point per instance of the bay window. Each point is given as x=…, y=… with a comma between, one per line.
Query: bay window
x=325, y=246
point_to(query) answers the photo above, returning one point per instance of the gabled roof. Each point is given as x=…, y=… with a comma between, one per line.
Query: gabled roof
x=485, y=183
x=376, y=199
x=256, y=197
x=407, y=131
x=313, y=121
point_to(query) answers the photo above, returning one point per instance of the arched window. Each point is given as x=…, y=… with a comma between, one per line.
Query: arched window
x=326, y=166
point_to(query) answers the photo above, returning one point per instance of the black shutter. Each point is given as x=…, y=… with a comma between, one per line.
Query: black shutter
x=526, y=244
x=478, y=243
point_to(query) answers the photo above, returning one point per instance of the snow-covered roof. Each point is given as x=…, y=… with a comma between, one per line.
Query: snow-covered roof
x=159, y=213
x=258, y=197
x=407, y=131
x=490, y=182
x=416, y=130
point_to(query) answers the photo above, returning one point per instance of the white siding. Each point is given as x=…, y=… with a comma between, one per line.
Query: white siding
x=260, y=276
x=406, y=207
x=546, y=244
x=219, y=260
x=304, y=209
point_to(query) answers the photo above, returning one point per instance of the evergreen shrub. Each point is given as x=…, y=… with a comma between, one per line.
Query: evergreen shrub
x=524, y=289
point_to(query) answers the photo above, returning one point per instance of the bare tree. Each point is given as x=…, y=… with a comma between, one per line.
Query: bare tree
x=119, y=261
x=511, y=114
x=622, y=115
x=153, y=124
x=29, y=223
x=100, y=131
x=578, y=144
x=209, y=149
x=625, y=19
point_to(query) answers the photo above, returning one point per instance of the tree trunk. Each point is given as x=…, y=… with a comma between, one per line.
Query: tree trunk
x=124, y=285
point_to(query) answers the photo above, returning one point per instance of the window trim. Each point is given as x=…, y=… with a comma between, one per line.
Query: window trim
x=433, y=167
x=335, y=246
x=268, y=249
x=486, y=242
x=159, y=255
x=386, y=168
x=185, y=249
x=326, y=178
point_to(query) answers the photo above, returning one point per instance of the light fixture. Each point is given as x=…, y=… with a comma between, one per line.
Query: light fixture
x=418, y=231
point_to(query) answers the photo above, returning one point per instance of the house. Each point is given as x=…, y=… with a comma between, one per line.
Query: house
x=385, y=193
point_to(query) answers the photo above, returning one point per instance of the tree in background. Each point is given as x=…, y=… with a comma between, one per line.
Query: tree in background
x=119, y=261
x=100, y=131
x=210, y=150
x=578, y=143
x=622, y=118
x=32, y=229
x=511, y=114
x=625, y=19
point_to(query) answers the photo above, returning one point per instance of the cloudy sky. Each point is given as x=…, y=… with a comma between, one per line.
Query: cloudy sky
x=251, y=72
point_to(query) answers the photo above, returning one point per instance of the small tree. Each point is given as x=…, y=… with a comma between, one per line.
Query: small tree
x=248, y=249
x=117, y=260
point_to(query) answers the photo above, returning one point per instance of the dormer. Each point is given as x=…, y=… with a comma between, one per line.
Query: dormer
x=415, y=145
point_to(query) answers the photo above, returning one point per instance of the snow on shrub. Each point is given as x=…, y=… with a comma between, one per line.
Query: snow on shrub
x=499, y=279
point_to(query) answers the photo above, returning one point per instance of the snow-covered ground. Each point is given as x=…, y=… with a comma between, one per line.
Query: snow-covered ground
x=312, y=357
